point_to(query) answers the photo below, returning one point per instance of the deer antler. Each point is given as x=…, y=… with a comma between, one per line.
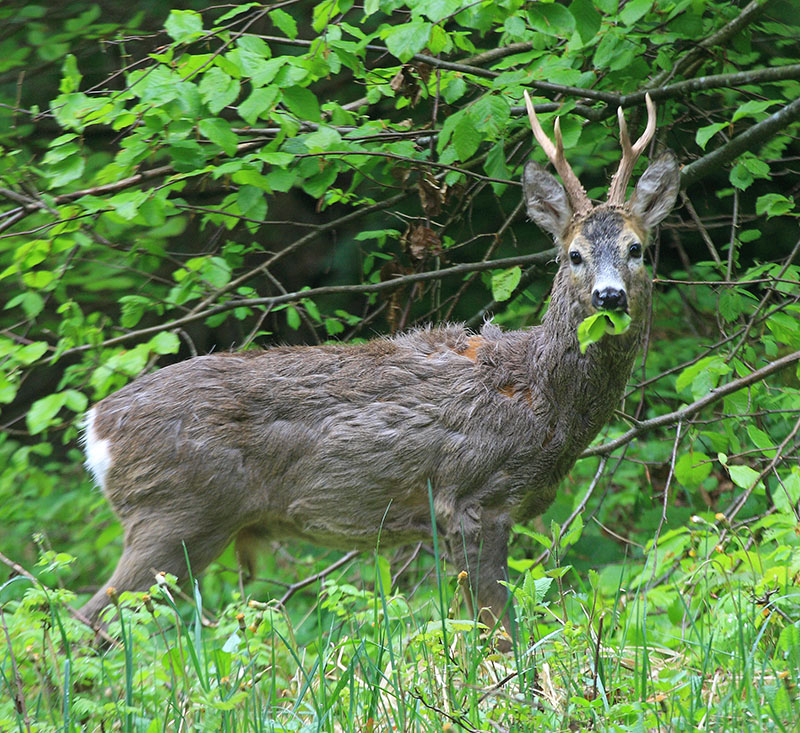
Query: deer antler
x=555, y=154
x=630, y=153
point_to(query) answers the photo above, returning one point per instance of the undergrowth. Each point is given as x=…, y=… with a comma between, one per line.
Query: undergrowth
x=699, y=631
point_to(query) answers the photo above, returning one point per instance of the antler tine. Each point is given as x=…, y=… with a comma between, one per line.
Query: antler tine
x=630, y=153
x=555, y=154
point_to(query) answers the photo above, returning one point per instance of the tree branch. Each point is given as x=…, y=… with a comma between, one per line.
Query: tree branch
x=272, y=301
x=748, y=140
x=679, y=415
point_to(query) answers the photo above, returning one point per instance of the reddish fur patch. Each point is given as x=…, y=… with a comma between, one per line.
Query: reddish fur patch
x=471, y=351
x=509, y=391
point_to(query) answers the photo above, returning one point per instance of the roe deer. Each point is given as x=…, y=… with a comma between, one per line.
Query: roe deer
x=338, y=444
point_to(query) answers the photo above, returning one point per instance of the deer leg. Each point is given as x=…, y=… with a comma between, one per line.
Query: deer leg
x=153, y=546
x=478, y=543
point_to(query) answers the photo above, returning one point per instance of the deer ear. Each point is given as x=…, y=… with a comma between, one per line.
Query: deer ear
x=545, y=199
x=656, y=191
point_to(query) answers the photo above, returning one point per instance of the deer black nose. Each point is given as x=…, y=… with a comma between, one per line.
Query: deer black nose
x=612, y=299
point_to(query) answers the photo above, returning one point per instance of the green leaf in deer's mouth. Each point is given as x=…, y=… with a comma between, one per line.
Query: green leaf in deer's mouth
x=597, y=325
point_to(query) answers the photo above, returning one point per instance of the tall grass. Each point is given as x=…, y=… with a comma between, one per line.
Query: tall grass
x=614, y=651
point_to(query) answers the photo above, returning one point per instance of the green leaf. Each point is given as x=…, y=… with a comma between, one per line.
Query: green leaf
x=218, y=89
x=703, y=376
x=552, y=19
x=740, y=177
x=504, y=282
x=743, y=476
x=490, y=114
x=634, y=10
x=302, y=103
x=597, y=325
x=133, y=307
x=787, y=495
x=183, y=25
x=587, y=19
x=260, y=101
x=238, y=10
x=30, y=352
x=704, y=134
x=8, y=390
x=466, y=138
x=70, y=75
x=404, y=40
x=284, y=22
x=187, y=155
x=219, y=132
x=43, y=411
x=774, y=204
x=752, y=108
x=165, y=342
x=692, y=468
x=292, y=318
x=75, y=401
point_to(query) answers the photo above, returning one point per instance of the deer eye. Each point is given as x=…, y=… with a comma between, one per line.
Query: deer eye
x=575, y=257
x=635, y=250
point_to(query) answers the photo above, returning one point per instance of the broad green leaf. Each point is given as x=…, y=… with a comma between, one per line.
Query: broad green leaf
x=292, y=318
x=284, y=22
x=761, y=440
x=634, y=10
x=551, y=19
x=490, y=114
x=260, y=101
x=774, y=204
x=75, y=401
x=595, y=326
x=184, y=25
x=743, y=476
x=504, y=282
x=218, y=90
x=30, y=352
x=407, y=39
x=466, y=139
x=187, y=155
x=703, y=376
x=704, y=134
x=752, y=108
x=219, y=132
x=587, y=19
x=8, y=390
x=692, y=468
x=302, y=103
x=43, y=411
x=165, y=342
x=132, y=307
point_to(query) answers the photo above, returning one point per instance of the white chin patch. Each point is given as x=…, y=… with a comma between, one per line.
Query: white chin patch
x=98, y=452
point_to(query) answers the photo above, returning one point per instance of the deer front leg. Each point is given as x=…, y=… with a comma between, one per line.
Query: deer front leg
x=477, y=542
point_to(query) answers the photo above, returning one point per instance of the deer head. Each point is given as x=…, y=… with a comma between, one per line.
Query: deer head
x=602, y=245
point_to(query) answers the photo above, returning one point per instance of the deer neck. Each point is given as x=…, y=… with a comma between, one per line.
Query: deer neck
x=582, y=389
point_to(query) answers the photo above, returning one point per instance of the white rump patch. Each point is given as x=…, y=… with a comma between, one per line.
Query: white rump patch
x=98, y=452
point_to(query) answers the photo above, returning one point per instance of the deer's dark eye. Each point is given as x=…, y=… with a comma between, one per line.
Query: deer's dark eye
x=635, y=250
x=575, y=257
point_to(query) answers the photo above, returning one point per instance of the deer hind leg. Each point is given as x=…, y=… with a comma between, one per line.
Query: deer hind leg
x=153, y=546
x=478, y=543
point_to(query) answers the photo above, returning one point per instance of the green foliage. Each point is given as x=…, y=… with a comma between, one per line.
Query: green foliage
x=597, y=325
x=176, y=181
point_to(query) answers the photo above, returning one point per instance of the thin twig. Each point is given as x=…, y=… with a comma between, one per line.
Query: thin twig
x=300, y=584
